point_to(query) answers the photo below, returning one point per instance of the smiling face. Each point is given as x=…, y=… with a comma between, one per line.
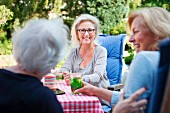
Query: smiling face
x=142, y=38
x=86, y=32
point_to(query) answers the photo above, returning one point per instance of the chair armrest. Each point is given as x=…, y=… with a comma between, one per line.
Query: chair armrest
x=115, y=87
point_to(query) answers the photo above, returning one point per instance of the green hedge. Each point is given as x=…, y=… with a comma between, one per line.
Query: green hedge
x=120, y=28
x=5, y=44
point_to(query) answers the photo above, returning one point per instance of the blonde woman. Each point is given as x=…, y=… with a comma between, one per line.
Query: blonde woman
x=87, y=57
x=148, y=27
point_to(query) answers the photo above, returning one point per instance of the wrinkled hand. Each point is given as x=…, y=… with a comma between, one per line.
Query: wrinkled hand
x=67, y=78
x=130, y=105
x=86, y=89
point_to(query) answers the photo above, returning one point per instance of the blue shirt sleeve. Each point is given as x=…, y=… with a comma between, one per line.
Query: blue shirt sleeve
x=115, y=97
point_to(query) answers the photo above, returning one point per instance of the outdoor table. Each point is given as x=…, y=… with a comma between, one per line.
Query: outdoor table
x=77, y=103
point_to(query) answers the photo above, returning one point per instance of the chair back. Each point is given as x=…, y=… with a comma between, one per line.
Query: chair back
x=165, y=107
x=114, y=46
x=162, y=77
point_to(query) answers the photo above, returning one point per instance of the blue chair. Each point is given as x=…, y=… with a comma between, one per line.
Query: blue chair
x=114, y=46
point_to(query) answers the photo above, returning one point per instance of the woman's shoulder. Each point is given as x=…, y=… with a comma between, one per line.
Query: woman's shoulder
x=100, y=51
x=148, y=54
x=100, y=48
x=148, y=57
x=74, y=51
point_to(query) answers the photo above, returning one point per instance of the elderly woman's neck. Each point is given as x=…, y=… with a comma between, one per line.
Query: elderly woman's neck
x=18, y=69
x=87, y=47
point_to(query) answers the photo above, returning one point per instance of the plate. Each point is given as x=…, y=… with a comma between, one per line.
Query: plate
x=59, y=92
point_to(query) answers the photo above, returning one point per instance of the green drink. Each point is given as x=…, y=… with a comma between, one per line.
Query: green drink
x=76, y=83
x=60, y=76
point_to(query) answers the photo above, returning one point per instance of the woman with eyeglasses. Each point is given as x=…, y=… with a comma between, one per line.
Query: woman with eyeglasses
x=87, y=57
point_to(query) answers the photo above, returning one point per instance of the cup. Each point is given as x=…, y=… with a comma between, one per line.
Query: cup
x=60, y=76
x=76, y=81
x=50, y=81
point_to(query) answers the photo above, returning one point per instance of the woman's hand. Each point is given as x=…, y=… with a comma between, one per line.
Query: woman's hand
x=67, y=78
x=130, y=105
x=86, y=89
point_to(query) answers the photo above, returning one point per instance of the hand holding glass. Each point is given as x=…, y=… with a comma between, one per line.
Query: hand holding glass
x=60, y=76
x=67, y=78
x=76, y=82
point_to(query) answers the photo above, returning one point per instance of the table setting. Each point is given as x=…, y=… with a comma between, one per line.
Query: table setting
x=71, y=102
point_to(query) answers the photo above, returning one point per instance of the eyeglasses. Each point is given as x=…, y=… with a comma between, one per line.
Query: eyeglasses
x=83, y=31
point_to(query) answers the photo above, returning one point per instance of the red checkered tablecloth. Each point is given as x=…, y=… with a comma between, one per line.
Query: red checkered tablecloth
x=77, y=103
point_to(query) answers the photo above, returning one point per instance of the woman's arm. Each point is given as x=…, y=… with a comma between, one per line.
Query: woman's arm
x=95, y=91
x=129, y=105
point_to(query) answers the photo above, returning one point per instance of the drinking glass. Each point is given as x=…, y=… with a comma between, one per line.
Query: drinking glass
x=60, y=76
x=76, y=81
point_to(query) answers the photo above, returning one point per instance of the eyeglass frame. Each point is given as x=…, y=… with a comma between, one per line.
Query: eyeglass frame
x=88, y=31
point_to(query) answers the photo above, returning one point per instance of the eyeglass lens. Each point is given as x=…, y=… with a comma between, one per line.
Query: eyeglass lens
x=83, y=31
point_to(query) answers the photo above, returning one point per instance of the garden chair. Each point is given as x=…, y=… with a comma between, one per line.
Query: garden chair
x=114, y=45
x=160, y=101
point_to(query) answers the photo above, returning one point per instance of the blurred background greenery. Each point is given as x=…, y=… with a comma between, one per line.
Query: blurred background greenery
x=111, y=13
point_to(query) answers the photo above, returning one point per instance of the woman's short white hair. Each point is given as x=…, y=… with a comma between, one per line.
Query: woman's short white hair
x=38, y=46
x=78, y=21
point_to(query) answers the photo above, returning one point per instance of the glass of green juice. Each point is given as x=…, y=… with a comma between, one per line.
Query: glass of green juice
x=76, y=81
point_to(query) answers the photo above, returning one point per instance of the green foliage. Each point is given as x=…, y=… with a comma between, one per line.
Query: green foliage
x=120, y=28
x=109, y=12
x=129, y=59
x=159, y=3
x=13, y=13
x=73, y=8
x=134, y=4
x=5, y=14
x=130, y=50
x=6, y=47
x=5, y=44
x=24, y=10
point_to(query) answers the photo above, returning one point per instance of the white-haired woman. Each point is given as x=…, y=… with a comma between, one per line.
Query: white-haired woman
x=37, y=47
x=87, y=57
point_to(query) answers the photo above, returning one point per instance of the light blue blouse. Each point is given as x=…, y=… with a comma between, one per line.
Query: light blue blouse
x=142, y=73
